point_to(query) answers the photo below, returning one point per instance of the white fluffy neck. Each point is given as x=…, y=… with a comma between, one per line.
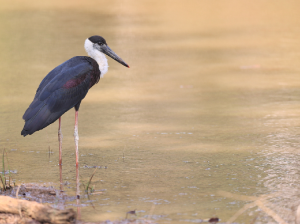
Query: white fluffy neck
x=97, y=55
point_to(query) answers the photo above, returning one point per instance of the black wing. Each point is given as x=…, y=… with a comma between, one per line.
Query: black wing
x=63, y=88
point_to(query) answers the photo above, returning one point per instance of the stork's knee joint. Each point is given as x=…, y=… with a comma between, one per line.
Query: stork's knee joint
x=60, y=135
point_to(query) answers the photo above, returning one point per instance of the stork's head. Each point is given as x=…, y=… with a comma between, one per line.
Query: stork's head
x=95, y=45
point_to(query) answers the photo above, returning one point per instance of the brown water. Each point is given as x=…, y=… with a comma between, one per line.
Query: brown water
x=210, y=104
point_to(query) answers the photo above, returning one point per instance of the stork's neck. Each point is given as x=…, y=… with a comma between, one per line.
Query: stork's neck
x=97, y=55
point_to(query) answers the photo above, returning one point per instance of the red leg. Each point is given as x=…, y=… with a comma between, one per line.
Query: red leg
x=60, y=138
x=78, y=194
x=60, y=178
x=76, y=137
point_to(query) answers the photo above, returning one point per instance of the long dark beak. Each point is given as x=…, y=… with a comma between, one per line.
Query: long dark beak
x=109, y=52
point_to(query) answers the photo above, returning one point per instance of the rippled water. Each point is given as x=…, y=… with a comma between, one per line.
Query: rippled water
x=208, y=110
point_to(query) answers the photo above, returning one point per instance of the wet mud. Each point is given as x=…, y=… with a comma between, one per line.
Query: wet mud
x=35, y=192
x=44, y=195
x=16, y=219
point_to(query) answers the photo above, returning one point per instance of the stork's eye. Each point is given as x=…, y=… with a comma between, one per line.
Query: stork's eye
x=100, y=43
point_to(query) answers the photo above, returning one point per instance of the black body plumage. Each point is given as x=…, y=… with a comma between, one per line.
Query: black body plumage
x=62, y=89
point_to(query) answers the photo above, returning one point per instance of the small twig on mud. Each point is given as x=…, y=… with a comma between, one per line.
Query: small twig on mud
x=17, y=193
x=17, y=196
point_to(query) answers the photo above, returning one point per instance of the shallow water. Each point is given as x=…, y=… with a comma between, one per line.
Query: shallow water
x=209, y=106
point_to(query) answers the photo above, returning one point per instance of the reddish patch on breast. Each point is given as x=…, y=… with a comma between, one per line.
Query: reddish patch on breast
x=74, y=82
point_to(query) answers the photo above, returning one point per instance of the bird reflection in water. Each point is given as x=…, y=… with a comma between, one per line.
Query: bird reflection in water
x=77, y=189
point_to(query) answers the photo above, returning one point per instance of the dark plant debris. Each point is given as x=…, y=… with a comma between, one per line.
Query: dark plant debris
x=213, y=220
x=131, y=213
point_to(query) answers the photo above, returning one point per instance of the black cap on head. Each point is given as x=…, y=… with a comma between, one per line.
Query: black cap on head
x=100, y=45
x=97, y=39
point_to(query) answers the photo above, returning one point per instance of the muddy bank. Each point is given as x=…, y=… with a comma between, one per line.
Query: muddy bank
x=16, y=219
x=24, y=205
x=38, y=193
